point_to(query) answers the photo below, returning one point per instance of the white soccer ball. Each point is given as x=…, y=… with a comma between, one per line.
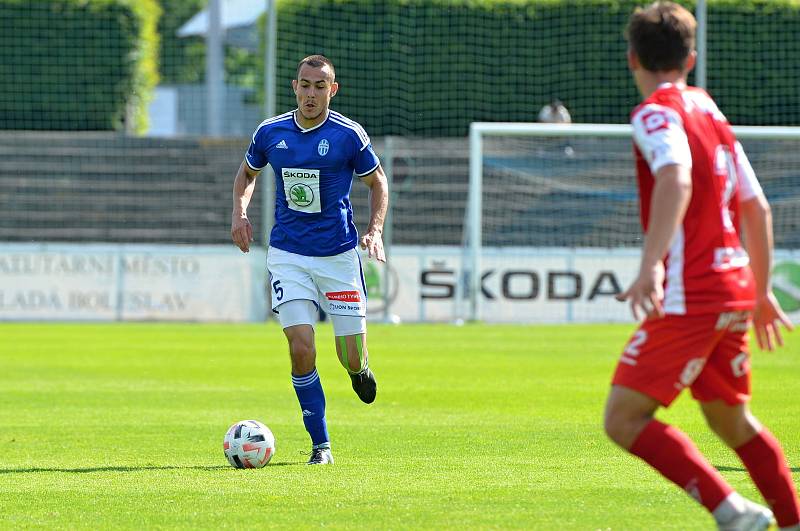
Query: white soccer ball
x=249, y=444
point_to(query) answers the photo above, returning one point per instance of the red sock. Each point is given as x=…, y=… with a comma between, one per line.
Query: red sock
x=673, y=454
x=763, y=457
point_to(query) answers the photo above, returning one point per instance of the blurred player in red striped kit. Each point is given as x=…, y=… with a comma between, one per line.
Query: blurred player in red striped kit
x=698, y=290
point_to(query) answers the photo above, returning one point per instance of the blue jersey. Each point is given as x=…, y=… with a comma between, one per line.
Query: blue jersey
x=313, y=175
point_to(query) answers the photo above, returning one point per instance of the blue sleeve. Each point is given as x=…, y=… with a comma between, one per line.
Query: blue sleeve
x=256, y=156
x=366, y=161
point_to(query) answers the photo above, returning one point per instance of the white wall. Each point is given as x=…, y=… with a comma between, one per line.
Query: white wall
x=519, y=284
x=71, y=282
x=130, y=282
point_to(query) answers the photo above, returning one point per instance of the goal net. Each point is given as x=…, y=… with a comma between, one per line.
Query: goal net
x=552, y=222
x=123, y=122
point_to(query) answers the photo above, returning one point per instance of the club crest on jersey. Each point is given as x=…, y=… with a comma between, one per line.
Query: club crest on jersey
x=323, y=147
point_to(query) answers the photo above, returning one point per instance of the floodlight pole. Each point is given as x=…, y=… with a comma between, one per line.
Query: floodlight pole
x=215, y=77
x=270, y=69
x=267, y=175
x=270, y=45
x=700, y=14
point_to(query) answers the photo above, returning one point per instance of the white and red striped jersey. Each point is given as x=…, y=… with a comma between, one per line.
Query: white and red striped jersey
x=707, y=270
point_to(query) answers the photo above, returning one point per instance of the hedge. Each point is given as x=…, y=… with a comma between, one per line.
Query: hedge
x=430, y=67
x=77, y=64
x=406, y=67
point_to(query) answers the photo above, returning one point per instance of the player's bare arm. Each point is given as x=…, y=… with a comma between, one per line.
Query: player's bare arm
x=243, y=186
x=756, y=216
x=671, y=195
x=372, y=241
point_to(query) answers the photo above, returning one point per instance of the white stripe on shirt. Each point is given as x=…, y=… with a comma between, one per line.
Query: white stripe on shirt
x=274, y=119
x=350, y=124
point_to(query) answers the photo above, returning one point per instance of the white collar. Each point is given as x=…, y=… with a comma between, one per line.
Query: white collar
x=303, y=129
x=667, y=84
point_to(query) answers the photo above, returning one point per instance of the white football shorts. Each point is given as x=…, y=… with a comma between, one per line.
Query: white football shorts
x=335, y=283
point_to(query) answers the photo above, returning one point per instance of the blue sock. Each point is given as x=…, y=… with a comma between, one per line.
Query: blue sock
x=312, y=403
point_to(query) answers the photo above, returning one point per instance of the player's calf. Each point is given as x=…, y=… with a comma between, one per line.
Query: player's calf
x=354, y=358
x=352, y=353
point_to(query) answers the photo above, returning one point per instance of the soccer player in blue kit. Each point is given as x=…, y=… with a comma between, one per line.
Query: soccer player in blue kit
x=312, y=259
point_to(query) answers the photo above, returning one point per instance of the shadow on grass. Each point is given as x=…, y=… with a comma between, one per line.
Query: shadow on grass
x=88, y=470
x=742, y=469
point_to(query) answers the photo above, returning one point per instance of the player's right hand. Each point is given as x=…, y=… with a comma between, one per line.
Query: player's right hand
x=372, y=242
x=241, y=232
x=767, y=318
x=646, y=294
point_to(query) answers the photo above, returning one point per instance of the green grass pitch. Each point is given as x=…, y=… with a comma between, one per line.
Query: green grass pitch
x=485, y=427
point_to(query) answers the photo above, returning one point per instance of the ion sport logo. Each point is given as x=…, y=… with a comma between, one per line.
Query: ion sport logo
x=343, y=296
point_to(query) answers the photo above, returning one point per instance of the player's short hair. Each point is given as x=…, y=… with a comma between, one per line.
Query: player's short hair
x=662, y=35
x=316, y=61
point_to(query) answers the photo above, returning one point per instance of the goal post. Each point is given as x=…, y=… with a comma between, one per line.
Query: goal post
x=541, y=190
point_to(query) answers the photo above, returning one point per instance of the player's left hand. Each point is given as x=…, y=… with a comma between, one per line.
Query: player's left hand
x=767, y=318
x=646, y=294
x=372, y=242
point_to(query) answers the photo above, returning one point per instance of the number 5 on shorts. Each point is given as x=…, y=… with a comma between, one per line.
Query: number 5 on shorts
x=276, y=287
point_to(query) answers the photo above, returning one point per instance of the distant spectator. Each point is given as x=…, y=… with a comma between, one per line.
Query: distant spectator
x=555, y=113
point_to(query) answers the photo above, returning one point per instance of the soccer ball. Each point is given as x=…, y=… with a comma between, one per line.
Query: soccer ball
x=248, y=444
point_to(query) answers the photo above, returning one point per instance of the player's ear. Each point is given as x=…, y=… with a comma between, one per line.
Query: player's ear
x=691, y=61
x=334, y=88
x=633, y=60
x=294, y=86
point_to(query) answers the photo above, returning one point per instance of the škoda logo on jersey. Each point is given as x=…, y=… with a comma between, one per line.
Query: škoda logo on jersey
x=301, y=186
x=301, y=194
x=343, y=296
x=292, y=173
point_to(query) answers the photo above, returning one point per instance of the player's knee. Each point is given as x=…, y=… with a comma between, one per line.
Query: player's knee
x=622, y=426
x=733, y=424
x=301, y=348
x=733, y=431
x=303, y=356
x=613, y=426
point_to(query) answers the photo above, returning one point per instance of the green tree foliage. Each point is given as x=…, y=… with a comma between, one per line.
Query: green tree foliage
x=181, y=59
x=76, y=64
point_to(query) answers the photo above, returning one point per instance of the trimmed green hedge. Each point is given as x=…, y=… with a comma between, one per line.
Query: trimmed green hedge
x=406, y=67
x=77, y=64
x=430, y=67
